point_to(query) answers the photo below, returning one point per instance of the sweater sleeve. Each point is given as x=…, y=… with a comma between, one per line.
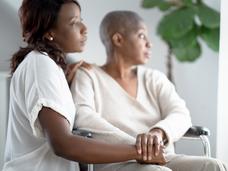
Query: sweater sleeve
x=87, y=117
x=175, y=117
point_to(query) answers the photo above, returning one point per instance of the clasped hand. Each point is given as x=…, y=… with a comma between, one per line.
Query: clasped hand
x=150, y=148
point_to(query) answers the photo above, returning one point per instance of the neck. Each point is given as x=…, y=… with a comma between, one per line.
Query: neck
x=118, y=68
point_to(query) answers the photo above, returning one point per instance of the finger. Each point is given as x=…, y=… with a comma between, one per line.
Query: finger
x=138, y=144
x=163, y=160
x=71, y=66
x=74, y=67
x=71, y=71
x=162, y=148
x=156, y=146
x=150, y=147
x=144, y=147
x=86, y=65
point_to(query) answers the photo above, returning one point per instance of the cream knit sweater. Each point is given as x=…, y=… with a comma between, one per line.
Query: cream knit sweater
x=112, y=115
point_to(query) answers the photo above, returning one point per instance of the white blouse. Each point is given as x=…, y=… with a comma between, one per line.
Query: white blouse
x=38, y=81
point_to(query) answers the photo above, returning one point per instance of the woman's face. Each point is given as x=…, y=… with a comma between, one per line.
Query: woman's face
x=136, y=46
x=70, y=33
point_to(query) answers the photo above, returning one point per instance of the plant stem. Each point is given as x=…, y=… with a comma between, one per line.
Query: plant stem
x=169, y=64
x=177, y=3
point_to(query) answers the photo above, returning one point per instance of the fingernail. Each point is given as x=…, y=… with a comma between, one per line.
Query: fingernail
x=139, y=151
x=144, y=158
x=150, y=158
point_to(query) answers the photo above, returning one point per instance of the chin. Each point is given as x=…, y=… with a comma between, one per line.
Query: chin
x=143, y=62
x=79, y=50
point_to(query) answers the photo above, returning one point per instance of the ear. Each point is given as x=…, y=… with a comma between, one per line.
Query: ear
x=117, y=39
x=49, y=36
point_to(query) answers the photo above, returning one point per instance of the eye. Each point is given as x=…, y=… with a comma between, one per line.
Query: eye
x=76, y=21
x=142, y=36
x=73, y=23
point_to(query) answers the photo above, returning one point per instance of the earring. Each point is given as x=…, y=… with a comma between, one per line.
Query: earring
x=51, y=38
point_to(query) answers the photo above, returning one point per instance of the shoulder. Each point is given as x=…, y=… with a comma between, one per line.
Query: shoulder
x=154, y=78
x=88, y=72
x=151, y=74
x=36, y=62
x=41, y=68
x=41, y=60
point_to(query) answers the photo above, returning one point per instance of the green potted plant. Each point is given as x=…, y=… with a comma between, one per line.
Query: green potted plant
x=185, y=22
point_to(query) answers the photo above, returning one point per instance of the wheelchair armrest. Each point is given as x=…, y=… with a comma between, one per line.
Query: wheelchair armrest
x=196, y=131
x=82, y=133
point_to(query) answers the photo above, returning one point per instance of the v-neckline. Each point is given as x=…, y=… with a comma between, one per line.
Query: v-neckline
x=120, y=87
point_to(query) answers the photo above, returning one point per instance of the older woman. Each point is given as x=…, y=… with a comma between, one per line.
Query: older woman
x=122, y=99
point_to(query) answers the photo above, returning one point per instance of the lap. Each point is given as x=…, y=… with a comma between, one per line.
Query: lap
x=194, y=163
x=176, y=163
x=130, y=166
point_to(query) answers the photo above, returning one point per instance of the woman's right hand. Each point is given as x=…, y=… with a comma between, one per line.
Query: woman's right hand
x=147, y=148
x=72, y=69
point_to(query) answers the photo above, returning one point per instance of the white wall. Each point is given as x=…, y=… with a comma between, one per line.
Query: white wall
x=9, y=33
x=9, y=43
x=4, y=84
x=222, y=121
x=196, y=82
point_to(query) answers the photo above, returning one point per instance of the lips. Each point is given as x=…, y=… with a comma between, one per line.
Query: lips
x=83, y=41
x=147, y=54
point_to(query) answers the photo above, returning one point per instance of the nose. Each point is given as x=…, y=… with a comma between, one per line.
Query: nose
x=148, y=44
x=84, y=29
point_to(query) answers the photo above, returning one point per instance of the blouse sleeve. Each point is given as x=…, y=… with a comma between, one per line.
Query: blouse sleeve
x=46, y=86
x=175, y=117
x=88, y=118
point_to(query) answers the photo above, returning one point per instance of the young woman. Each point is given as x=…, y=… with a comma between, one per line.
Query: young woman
x=42, y=110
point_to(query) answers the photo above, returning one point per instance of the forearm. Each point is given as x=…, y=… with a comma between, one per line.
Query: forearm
x=76, y=148
x=91, y=151
x=88, y=119
x=172, y=130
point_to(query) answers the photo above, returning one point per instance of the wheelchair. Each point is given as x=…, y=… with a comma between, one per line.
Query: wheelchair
x=193, y=133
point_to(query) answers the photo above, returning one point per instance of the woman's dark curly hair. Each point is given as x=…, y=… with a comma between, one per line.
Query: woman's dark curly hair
x=37, y=17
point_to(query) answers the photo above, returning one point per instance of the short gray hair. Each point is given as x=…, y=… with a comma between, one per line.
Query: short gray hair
x=123, y=22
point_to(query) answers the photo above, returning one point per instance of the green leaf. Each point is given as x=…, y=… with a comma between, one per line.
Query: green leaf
x=164, y=6
x=187, y=2
x=176, y=23
x=211, y=37
x=151, y=3
x=189, y=54
x=208, y=16
x=186, y=40
x=161, y=4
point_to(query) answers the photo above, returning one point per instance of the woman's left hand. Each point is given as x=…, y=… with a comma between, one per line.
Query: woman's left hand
x=72, y=69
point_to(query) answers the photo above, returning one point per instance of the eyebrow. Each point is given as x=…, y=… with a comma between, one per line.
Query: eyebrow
x=74, y=18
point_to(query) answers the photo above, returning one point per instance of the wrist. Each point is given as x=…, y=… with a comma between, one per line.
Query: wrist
x=137, y=155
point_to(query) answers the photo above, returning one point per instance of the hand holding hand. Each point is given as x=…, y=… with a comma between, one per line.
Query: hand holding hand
x=159, y=159
x=150, y=147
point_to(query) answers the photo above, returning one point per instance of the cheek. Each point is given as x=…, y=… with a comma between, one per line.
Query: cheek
x=68, y=39
x=71, y=35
